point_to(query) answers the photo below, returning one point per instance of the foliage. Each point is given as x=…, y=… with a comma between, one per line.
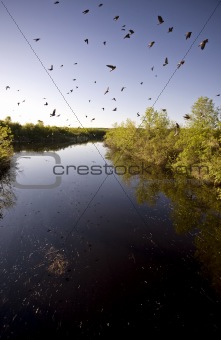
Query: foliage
x=6, y=150
x=195, y=148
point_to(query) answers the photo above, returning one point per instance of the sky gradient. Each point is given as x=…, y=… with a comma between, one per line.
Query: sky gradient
x=63, y=28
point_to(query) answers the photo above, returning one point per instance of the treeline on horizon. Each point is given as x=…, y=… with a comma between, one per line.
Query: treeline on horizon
x=39, y=132
x=13, y=133
x=194, y=148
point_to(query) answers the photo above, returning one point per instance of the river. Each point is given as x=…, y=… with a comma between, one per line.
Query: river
x=89, y=251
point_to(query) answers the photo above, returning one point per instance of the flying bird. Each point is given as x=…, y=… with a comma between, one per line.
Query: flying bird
x=131, y=31
x=100, y=5
x=127, y=35
x=186, y=116
x=188, y=35
x=151, y=43
x=160, y=20
x=46, y=103
x=180, y=63
x=53, y=113
x=112, y=67
x=50, y=69
x=170, y=29
x=92, y=119
x=37, y=39
x=115, y=109
x=218, y=95
x=176, y=129
x=86, y=11
x=7, y=87
x=114, y=99
x=86, y=40
x=107, y=90
x=203, y=44
x=165, y=62
x=56, y=2
x=152, y=68
x=104, y=42
x=116, y=17
x=123, y=88
x=138, y=115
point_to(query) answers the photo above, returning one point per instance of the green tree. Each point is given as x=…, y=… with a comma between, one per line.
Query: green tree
x=6, y=150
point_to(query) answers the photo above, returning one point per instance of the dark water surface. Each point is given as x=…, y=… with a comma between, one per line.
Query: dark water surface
x=102, y=256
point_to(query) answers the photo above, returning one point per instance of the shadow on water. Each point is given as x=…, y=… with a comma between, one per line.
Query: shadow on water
x=142, y=257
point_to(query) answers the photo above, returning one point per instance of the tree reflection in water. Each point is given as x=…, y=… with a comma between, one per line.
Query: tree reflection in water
x=7, y=196
x=196, y=209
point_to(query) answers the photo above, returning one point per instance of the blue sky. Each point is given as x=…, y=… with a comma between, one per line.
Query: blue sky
x=62, y=29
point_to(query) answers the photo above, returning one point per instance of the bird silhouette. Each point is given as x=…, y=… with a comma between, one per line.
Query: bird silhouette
x=7, y=87
x=46, y=103
x=188, y=35
x=127, y=36
x=86, y=11
x=92, y=119
x=104, y=42
x=218, y=95
x=170, y=29
x=112, y=67
x=86, y=40
x=131, y=31
x=116, y=17
x=107, y=90
x=186, y=116
x=100, y=5
x=50, y=69
x=53, y=113
x=160, y=19
x=151, y=44
x=115, y=109
x=114, y=99
x=152, y=68
x=56, y=2
x=176, y=129
x=36, y=39
x=123, y=88
x=165, y=62
x=203, y=44
x=138, y=115
x=180, y=63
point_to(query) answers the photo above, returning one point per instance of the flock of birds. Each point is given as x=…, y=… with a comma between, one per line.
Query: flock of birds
x=160, y=19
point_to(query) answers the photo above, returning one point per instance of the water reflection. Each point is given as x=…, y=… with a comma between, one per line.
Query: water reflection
x=103, y=255
x=7, y=195
x=196, y=209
